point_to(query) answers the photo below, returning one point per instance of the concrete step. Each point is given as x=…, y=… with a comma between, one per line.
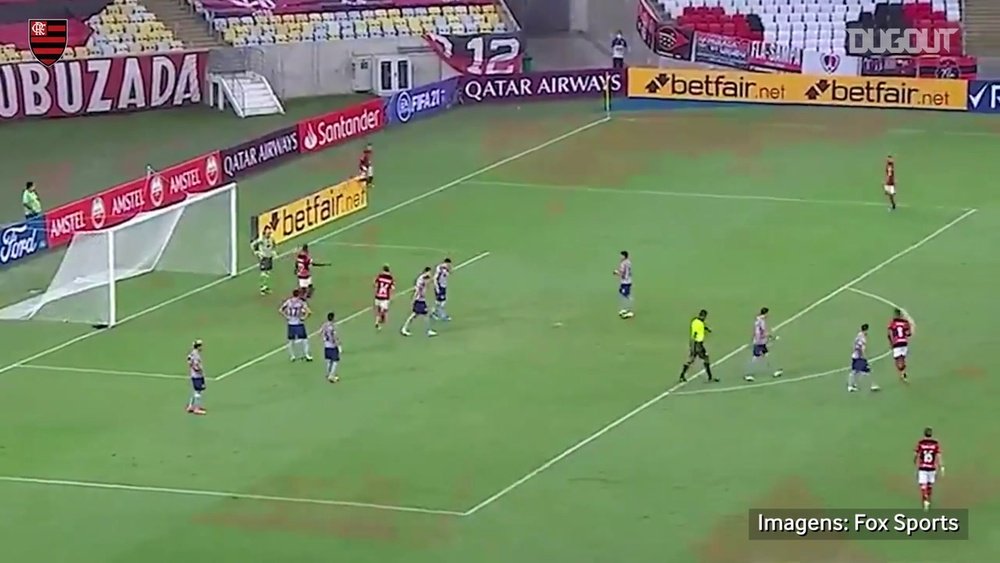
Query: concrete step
x=186, y=25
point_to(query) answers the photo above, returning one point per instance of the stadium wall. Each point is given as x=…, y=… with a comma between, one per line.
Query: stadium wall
x=309, y=69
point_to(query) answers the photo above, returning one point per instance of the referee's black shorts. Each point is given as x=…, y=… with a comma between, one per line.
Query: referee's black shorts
x=698, y=351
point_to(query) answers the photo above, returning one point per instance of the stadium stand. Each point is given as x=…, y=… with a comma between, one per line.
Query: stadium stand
x=319, y=20
x=97, y=28
x=811, y=24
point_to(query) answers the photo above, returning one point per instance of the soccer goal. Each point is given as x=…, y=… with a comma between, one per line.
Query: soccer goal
x=197, y=236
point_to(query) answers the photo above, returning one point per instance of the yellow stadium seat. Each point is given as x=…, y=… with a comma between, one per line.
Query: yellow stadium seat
x=229, y=35
x=314, y=17
x=380, y=13
x=490, y=9
x=282, y=28
x=434, y=10
x=281, y=38
x=301, y=17
x=287, y=18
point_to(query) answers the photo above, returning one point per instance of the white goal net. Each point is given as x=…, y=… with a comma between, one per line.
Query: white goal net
x=197, y=236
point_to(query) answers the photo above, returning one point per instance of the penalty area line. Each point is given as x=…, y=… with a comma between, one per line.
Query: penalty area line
x=99, y=371
x=676, y=387
x=696, y=195
x=220, y=494
x=352, y=316
x=776, y=381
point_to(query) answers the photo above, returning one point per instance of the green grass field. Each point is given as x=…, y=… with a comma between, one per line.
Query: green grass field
x=539, y=426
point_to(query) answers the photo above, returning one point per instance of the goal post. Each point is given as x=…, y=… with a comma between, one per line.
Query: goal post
x=196, y=236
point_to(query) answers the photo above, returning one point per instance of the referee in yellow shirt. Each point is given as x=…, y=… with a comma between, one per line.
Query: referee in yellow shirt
x=698, y=333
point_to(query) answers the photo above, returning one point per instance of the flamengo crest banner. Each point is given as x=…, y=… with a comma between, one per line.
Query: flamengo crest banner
x=123, y=202
x=99, y=86
x=543, y=85
x=47, y=40
x=483, y=54
x=318, y=133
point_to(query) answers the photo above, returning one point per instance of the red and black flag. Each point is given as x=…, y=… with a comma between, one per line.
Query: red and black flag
x=47, y=39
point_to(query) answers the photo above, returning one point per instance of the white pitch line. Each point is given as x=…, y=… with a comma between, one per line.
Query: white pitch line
x=777, y=381
x=402, y=247
x=319, y=239
x=694, y=195
x=352, y=316
x=102, y=371
x=879, y=298
x=676, y=387
x=222, y=494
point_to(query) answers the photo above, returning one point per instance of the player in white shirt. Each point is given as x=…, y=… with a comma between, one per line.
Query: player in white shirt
x=624, y=274
x=441, y=274
x=420, y=303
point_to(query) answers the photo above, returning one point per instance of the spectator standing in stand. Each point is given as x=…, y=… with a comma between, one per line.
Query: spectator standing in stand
x=619, y=48
x=29, y=200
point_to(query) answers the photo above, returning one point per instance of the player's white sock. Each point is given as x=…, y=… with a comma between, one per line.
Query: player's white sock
x=852, y=380
x=291, y=349
x=305, y=347
x=331, y=369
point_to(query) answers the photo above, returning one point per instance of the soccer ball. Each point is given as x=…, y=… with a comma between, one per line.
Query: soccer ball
x=626, y=314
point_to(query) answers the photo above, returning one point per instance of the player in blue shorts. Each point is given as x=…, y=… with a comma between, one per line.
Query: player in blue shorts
x=296, y=311
x=759, y=358
x=331, y=348
x=419, y=303
x=624, y=274
x=197, y=373
x=441, y=274
x=859, y=361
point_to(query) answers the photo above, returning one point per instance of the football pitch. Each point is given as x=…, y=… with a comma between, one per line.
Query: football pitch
x=539, y=426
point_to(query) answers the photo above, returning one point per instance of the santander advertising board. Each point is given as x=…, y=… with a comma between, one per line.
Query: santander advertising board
x=318, y=133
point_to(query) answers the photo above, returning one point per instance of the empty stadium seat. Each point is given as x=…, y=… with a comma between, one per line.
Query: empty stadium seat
x=813, y=24
x=237, y=28
x=119, y=27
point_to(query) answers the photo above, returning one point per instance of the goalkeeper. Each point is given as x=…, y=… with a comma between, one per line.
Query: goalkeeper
x=264, y=249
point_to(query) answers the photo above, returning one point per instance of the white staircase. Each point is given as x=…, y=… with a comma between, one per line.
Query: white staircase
x=248, y=93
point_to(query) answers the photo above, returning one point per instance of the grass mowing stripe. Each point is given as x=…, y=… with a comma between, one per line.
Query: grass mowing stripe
x=221, y=494
x=369, y=218
x=699, y=195
x=354, y=315
x=632, y=413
